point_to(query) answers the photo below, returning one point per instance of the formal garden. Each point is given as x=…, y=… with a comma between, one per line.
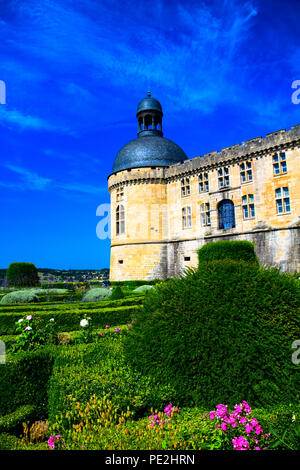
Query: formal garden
x=200, y=362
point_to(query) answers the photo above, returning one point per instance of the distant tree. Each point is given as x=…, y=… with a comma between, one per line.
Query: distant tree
x=22, y=274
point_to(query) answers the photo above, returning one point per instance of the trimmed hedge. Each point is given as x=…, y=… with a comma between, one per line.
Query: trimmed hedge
x=98, y=368
x=94, y=295
x=68, y=320
x=24, y=381
x=134, y=299
x=144, y=288
x=117, y=293
x=221, y=334
x=135, y=283
x=7, y=441
x=235, y=250
x=12, y=422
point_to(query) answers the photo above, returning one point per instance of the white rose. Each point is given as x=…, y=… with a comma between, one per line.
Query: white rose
x=84, y=322
x=51, y=319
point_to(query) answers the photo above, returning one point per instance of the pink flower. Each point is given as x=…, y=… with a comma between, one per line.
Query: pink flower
x=107, y=326
x=248, y=428
x=258, y=430
x=224, y=427
x=254, y=422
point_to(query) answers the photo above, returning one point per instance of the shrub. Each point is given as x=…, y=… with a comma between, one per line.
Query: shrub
x=98, y=368
x=19, y=297
x=22, y=274
x=67, y=319
x=116, y=294
x=7, y=441
x=24, y=380
x=221, y=334
x=144, y=288
x=99, y=293
x=13, y=422
x=235, y=250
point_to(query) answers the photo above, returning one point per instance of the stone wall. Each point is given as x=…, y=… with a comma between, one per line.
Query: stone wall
x=155, y=243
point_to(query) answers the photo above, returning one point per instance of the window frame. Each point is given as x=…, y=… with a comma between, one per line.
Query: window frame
x=205, y=214
x=247, y=206
x=186, y=214
x=279, y=163
x=282, y=200
x=185, y=186
x=246, y=171
x=203, y=182
x=120, y=219
x=223, y=174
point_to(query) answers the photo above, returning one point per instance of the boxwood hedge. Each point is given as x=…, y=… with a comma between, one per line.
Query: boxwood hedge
x=221, y=334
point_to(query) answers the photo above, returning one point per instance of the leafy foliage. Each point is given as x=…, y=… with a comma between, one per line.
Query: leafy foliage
x=236, y=250
x=222, y=333
x=12, y=422
x=20, y=297
x=24, y=380
x=22, y=274
x=117, y=293
x=144, y=288
x=93, y=295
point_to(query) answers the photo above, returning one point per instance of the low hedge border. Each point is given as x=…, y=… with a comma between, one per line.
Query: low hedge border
x=12, y=422
x=135, y=299
x=69, y=320
x=24, y=380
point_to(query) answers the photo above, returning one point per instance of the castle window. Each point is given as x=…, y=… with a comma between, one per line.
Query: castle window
x=282, y=200
x=120, y=261
x=223, y=177
x=185, y=187
x=246, y=172
x=226, y=214
x=120, y=194
x=120, y=220
x=205, y=214
x=187, y=258
x=248, y=206
x=279, y=164
x=203, y=182
x=186, y=217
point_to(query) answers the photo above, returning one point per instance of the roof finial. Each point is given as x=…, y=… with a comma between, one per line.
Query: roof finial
x=149, y=92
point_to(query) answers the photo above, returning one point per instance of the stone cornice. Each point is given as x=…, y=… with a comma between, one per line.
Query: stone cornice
x=251, y=149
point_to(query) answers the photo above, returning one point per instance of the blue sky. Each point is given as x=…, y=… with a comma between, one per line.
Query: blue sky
x=74, y=73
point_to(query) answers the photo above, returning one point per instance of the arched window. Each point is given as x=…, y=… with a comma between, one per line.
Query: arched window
x=226, y=214
x=120, y=219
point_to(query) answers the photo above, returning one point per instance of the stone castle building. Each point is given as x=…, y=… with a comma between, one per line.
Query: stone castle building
x=165, y=206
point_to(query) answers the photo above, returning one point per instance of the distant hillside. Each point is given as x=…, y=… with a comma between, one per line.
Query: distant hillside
x=60, y=275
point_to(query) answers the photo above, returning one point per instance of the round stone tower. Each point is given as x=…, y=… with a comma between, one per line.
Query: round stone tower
x=139, y=215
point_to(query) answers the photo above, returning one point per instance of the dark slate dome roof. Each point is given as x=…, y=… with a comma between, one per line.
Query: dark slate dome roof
x=149, y=103
x=148, y=150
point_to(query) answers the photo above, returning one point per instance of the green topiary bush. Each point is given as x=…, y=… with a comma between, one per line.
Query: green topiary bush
x=20, y=297
x=99, y=293
x=83, y=370
x=24, y=380
x=22, y=274
x=222, y=334
x=116, y=294
x=13, y=421
x=235, y=250
x=144, y=288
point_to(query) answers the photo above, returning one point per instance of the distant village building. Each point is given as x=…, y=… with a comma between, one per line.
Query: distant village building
x=165, y=206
